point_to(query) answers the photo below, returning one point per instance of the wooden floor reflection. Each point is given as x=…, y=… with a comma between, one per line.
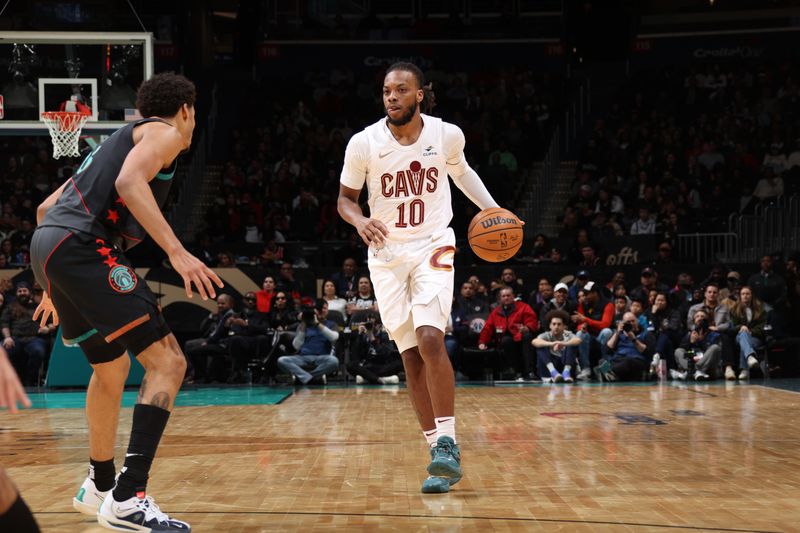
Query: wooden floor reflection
x=560, y=458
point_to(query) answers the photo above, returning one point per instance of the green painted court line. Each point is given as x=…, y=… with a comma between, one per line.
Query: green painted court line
x=200, y=397
x=260, y=395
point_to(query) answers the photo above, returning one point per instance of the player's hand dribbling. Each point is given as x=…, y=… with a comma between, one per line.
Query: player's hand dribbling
x=11, y=391
x=194, y=271
x=46, y=309
x=372, y=232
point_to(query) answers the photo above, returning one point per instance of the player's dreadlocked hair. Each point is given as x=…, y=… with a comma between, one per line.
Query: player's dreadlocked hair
x=164, y=94
x=428, y=98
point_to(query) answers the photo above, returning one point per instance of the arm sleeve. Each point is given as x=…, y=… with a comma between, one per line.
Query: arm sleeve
x=299, y=338
x=463, y=176
x=356, y=158
x=722, y=318
x=328, y=333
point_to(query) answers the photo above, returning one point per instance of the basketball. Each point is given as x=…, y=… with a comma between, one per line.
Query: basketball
x=495, y=234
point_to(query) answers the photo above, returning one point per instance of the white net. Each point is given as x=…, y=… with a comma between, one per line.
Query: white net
x=65, y=130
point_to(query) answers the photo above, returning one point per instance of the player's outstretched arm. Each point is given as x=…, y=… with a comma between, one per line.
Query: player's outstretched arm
x=159, y=146
x=11, y=391
x=373, y=232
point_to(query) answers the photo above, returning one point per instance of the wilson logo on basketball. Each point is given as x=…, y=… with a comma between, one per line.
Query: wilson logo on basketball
x=489, y=222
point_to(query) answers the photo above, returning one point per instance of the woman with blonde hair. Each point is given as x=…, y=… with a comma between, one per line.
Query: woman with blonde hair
x=748, y=318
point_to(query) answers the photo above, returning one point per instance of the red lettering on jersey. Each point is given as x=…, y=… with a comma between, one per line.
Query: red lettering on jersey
x=432, y=174
x=386, y=189
x=415, y=180
x=401, y=185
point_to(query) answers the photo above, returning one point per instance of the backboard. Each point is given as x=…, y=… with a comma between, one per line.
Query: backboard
x=40, y=71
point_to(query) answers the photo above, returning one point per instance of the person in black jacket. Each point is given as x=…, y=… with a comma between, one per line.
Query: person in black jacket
x=667, y=326
x=284, y=318
x=249, y=333
x=212, y=344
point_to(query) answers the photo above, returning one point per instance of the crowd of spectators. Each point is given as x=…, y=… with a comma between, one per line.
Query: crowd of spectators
x=571, y=327
x=681, y=149
x=576, y=327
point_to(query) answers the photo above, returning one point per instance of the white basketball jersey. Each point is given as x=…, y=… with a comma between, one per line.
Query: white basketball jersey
x=408, y=186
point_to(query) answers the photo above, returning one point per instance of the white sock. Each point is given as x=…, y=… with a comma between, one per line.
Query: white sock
x=446, y=427
x=430, y=437
x=551, y=367
x=567, y=368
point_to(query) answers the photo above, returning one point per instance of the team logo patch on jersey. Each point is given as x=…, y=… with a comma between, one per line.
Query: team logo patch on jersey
x=122, y=279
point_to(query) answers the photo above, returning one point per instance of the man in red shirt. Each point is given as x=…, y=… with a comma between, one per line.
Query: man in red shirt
x=593, y=321
x=511, y=325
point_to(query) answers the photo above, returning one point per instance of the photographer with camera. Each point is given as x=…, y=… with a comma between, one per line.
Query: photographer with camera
x=700, y=349
x=374, y=357
x=630, y=347
x=314, y=344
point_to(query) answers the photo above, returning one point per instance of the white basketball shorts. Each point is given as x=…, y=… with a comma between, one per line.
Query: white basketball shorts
x=413, y=284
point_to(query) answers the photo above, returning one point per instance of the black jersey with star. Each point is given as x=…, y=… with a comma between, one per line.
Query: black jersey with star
x=90, y=202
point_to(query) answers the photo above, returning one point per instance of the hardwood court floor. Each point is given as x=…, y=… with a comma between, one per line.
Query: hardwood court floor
x=545, y=458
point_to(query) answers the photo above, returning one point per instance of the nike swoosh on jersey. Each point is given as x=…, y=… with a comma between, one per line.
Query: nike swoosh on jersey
x=381, y=156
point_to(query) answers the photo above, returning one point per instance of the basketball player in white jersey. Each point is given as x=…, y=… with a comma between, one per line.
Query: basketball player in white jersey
x=405, y=158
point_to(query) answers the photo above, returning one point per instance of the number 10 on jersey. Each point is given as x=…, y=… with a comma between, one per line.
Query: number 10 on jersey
x=414, y=210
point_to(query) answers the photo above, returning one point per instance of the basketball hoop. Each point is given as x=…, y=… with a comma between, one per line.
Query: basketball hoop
x=65, y=129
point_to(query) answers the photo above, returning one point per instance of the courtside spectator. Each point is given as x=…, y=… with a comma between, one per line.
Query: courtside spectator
x=510, y=328
x=556, y=349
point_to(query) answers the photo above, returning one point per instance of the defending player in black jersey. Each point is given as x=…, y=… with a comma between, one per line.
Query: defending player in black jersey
x=77, y=255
